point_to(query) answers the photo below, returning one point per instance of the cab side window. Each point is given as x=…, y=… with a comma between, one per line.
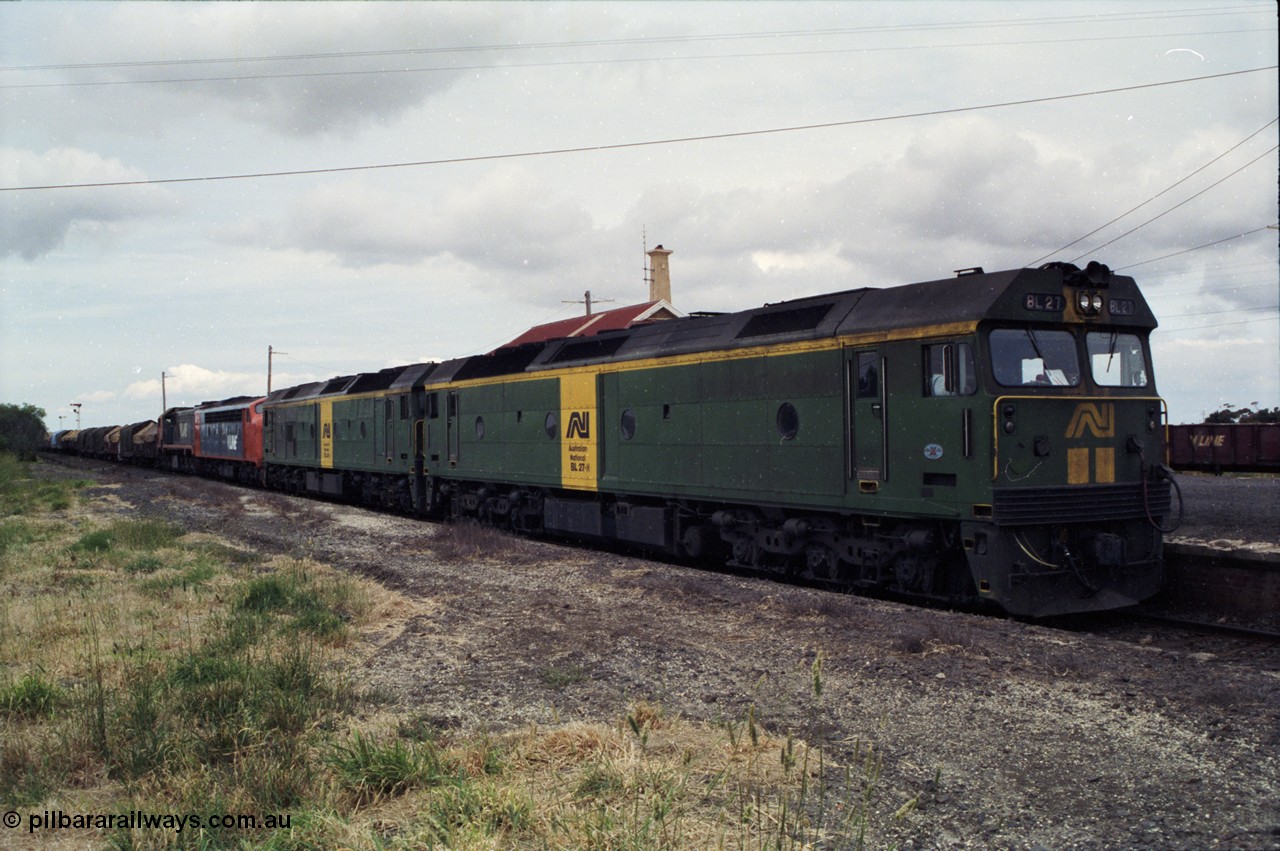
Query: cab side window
x=949, y=370
x=868, y=376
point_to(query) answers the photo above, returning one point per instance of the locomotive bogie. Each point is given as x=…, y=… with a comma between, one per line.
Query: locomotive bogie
x=1045, y=570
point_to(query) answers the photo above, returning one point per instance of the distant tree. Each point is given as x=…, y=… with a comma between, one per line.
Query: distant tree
x=1246, y=414
x=22, y=429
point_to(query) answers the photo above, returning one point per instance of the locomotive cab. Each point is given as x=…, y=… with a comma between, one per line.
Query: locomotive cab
x=1077, y=494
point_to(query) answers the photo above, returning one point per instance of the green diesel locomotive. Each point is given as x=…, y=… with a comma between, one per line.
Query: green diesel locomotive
x=989, y=437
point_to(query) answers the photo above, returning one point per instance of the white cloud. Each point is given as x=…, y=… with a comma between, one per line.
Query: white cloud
x=190, y=384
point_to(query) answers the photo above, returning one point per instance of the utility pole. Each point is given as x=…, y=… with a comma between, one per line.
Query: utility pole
x=586, y=299
x=271, y=353
x=164, y=397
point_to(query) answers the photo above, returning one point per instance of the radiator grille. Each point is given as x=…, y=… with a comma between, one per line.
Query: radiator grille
x=1081, y=503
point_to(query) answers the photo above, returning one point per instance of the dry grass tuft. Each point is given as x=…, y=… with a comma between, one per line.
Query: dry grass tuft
x=470, y=541
x=940, y=637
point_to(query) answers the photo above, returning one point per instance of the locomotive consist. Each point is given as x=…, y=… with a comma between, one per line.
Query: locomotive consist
x=993, y=437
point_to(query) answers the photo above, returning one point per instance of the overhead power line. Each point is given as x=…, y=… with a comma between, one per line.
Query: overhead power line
x=1157, y=195
x=627, y=145
x=1176, y=206
x=1220, y=324
x=568, y=62
x=1197, y=248
x=948, y=26
x=1271, y=307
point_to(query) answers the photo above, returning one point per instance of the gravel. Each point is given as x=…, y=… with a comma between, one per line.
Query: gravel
x=1010, y=734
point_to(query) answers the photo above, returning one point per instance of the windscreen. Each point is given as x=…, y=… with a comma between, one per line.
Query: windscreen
x=1116, y=359
x=1023, y=357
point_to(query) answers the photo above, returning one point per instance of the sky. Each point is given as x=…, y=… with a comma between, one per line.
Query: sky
x=364, y=185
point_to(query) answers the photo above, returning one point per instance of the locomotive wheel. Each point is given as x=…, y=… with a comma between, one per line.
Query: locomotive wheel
x=745, y=552
x=819, y=562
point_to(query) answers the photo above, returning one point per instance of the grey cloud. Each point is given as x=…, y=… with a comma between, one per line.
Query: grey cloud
x=337, y=76
x=36, y=223
x=506, y=221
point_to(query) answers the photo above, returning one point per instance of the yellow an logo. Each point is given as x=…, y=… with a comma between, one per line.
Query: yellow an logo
x=1098, y=418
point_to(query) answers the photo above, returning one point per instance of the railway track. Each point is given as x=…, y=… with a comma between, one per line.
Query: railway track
x=1174, y=635
x=1208, y=627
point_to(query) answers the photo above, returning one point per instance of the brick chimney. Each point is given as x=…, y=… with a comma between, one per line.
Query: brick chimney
x=659, y=275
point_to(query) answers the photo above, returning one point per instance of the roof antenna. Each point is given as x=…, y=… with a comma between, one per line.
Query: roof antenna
x=645, y=277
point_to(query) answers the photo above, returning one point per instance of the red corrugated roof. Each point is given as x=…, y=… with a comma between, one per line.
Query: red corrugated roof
x=583, y=326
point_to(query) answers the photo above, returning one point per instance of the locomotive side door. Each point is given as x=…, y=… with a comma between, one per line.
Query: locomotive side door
x=867, y=418
x=389, y=428
x=451, y=427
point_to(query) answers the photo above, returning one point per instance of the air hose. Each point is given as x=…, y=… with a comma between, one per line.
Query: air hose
x=1158, y=472
x=1075, y=568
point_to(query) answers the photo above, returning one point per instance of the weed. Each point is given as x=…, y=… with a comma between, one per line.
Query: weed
x=371, y=769
x=94, y=542
x=26, y=774
x=15, y=534
x=465, y=811
x=21, y=494
x=144, y=564
x=939, y=637
x=31, y=697
x=470, y=540
x=557, y=677
x=601, y=780
x=320, y=611
x=145, y=534
x=418, y=728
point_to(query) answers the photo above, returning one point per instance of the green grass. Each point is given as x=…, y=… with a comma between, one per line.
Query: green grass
x=559, y=676
x=133, y=535
x=370, y=769
x=20, y=493
x=16, y=533
x=31, y=697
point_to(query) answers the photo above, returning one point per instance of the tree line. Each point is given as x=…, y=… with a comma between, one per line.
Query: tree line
x=22, y=430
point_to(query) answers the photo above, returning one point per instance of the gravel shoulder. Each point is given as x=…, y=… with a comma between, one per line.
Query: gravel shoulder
x=1230, y=512
x=1008, y=734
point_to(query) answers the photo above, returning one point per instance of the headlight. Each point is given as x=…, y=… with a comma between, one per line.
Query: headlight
x=1088, y=303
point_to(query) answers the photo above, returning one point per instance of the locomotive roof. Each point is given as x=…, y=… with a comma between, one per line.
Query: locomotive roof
x=947, y=306
x=940, y=305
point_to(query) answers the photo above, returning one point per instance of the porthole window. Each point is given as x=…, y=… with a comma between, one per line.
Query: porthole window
x=627, y=424
x=551, y=426
x=788, y=421
x=479, y=427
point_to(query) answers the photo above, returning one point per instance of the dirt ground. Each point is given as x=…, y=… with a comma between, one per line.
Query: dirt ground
x=1012, y=735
